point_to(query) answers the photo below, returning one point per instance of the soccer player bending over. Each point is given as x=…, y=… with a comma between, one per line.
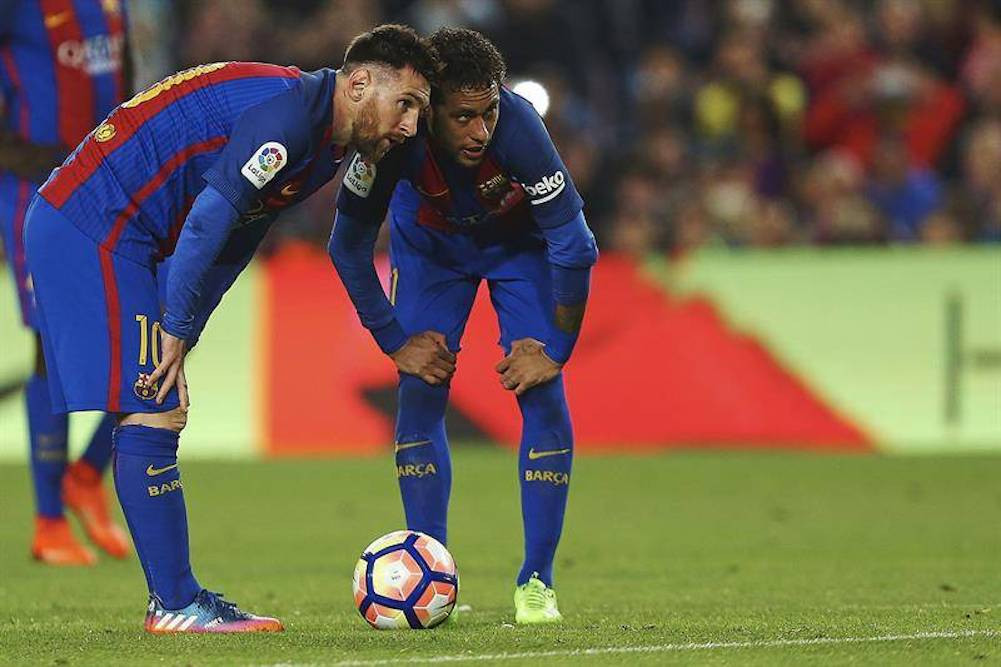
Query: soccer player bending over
x=481, y=194
x=196, y=167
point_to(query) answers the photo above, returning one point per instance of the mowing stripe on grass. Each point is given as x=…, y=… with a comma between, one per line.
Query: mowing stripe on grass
x=666, y=648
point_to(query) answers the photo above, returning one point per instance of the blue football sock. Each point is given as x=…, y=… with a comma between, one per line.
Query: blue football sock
x=47, y=434
x=98, y=452
x=149, y=489
x=544, y=470
x=423, y=464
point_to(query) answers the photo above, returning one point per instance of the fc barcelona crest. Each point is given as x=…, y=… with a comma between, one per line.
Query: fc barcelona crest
x=144, y=390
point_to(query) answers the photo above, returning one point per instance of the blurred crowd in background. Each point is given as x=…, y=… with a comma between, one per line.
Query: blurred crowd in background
x=693, y=123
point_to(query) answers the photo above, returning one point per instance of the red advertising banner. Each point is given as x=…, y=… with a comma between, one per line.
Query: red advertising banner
x=651, y=371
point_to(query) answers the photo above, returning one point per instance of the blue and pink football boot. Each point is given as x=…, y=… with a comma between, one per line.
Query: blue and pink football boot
x=209, y=612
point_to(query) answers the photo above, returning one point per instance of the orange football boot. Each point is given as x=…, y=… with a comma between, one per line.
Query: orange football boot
x=84, y=494
x=54, y=544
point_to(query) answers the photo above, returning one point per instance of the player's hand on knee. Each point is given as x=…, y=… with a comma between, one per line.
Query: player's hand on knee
x=170, y=372
x=427, y=356
x=527, y=366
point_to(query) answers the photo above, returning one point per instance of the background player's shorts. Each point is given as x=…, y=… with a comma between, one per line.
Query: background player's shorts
x=436, y=274
x=99, y=316
x=15, y=195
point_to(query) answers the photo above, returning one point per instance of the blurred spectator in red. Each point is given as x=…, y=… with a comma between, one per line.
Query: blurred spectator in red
x=859, y=94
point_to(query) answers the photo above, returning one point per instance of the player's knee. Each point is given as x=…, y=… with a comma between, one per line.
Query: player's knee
x=546, y=405
x=171, y=420
x=415, y=391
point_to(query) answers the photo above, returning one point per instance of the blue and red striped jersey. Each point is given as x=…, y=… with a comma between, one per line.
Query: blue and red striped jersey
x=258, y=133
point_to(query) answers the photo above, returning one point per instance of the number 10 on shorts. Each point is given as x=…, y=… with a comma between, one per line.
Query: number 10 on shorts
x=149, y=340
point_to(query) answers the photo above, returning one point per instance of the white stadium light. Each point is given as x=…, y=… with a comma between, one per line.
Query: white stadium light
x=534, y=92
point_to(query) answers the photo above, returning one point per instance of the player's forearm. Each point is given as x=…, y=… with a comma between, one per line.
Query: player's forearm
x=570, y=291
x=217, y=282
x=352, y=249
x=27, y=160
x=572, y=251
x=240, y=247
x=202, y=238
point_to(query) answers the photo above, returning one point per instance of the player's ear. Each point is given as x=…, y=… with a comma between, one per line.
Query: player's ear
x=359, y=80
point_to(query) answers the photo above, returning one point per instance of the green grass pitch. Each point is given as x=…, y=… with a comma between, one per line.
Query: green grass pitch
x=706, y=558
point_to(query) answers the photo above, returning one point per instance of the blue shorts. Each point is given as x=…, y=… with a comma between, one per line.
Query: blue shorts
x=99, y=317
x=15, y=195
x=436, y=275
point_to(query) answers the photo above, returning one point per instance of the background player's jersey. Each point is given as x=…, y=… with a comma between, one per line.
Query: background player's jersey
x=61, y=71
x=258, y=133
x=521, y=180
x=60, y=67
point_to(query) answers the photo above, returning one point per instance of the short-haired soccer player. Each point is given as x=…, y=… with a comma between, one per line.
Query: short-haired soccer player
x=197, y=167
x=482, y=195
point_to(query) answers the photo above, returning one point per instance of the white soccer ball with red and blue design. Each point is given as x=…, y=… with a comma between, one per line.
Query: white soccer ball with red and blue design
x=405, y=579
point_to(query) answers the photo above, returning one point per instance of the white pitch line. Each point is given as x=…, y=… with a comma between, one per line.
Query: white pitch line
x=666, y=648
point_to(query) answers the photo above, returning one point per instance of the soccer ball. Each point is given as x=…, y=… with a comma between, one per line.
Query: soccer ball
x=405, y=579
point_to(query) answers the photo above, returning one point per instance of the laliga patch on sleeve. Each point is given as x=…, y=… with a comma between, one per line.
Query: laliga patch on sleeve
x=359, y=176
x=267, y=161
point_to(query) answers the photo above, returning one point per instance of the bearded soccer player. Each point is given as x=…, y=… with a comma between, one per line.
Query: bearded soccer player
x=62, y=69
x=482, y=195
x=197, y=167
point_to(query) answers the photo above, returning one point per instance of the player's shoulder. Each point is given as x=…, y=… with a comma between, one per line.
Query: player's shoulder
x=252, y=83
x=521, y=134
x=297, y=101
x=516, y=113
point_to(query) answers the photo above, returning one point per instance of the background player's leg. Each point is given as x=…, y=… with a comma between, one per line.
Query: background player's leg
x=53, y=541
x=544, y=462
x=47, y=432
x=83, y=491
x=48, y=435
x=98, y=452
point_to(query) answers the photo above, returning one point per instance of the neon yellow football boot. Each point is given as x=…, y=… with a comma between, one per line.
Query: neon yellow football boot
x=534, y=602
